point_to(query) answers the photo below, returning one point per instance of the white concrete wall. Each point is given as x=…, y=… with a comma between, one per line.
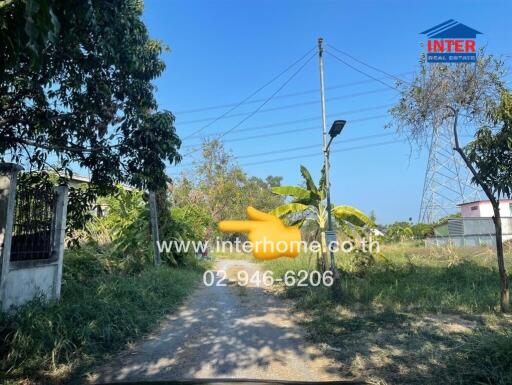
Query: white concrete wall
x=466, y=241
x=23, y=284
x=482, y=226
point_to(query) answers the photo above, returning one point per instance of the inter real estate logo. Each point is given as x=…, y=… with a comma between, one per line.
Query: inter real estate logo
x=451, y=42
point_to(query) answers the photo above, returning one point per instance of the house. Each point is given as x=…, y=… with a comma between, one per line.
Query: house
x=483, y=209
x=76, y=181
x=475, y=226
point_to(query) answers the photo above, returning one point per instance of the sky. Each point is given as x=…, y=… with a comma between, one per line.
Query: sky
x=221, y=52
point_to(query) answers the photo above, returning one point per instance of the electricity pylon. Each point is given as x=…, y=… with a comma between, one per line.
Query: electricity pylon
x=447, y=179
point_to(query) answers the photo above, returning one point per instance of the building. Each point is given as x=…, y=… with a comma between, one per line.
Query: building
x=483, y=209
x=475, y=226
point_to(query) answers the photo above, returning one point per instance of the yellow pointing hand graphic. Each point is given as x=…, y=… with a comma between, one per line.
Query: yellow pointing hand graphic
x=270, y=238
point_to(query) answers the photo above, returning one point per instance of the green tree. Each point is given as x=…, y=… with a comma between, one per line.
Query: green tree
x=475, y=93
x=308, y=205
x=76, y=91
x=399, y=232
x=220, y=187
x=422, y=230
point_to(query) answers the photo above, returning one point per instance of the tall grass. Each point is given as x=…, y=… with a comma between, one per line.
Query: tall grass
x=102, y=308
x=415, y=278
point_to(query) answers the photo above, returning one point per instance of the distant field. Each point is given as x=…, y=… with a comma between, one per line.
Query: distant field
x=414, y=315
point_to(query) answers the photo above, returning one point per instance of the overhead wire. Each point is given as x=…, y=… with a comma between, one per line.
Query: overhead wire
x=359, y=70
x=290, y=95
x=264, y=102
x=368, y=65
x=316, y=154
x=279, y=133
x=320, y=154
x=253, y=93
x=272, y=96
x=294, y=105
x=293, y=149
x=311, y=118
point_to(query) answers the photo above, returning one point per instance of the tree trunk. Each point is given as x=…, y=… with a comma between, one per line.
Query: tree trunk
x=504, y=293
x=323, y=266
x=323, y=259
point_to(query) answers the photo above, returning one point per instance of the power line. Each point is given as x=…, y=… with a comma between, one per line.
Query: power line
x=293, y=149
x=299, y=93
x=254, y=93
x=360, y=71
x=285, y=150
x=367, y=65
x=289, y=106
x=311, y=118
x=313, y=154
x=279, y=133
x=255, y=111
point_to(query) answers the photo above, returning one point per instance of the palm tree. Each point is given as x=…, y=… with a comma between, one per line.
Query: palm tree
x=308, y=206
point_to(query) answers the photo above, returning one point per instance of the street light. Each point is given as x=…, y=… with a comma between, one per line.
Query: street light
x=336, y=128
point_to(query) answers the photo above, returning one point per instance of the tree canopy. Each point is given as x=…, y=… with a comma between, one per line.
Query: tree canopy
x=220, y=187
x=76, y=89
x=473, y=95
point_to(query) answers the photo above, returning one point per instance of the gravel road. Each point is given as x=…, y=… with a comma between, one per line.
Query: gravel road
x=224, y=332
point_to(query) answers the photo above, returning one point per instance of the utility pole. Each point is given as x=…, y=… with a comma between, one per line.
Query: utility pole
x=326, y=153
x=154, y=227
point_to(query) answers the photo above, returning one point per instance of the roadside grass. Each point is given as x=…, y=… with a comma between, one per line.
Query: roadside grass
x=102, y=308
x=418, y=315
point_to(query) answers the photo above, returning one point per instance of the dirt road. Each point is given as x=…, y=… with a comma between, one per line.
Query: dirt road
x=224, y=332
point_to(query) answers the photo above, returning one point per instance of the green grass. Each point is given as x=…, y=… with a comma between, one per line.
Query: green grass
x=416, y=279
x=102, y=308
x=417, y=315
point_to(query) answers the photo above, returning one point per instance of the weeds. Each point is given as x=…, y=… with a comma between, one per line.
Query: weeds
x=102, y=308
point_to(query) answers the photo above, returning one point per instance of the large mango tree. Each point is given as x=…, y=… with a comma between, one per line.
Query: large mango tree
x=308, y=208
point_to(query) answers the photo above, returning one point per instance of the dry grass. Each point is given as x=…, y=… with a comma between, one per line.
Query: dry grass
x=419, y=315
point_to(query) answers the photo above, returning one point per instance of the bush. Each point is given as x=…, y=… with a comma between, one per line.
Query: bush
x=127, y=228
x=361, y=262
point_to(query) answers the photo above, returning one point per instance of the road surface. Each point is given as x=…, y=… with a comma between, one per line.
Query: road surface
x=224, y=332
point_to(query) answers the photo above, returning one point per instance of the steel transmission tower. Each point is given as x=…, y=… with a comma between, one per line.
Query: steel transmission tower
x=447, y=179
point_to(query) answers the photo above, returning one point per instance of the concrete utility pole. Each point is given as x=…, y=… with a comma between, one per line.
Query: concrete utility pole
x=154, y=227
x=326, y=151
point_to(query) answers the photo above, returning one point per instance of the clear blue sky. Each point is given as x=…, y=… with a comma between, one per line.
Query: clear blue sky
x=222, y=51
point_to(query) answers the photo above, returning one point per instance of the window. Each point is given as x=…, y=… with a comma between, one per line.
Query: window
x=473, y=208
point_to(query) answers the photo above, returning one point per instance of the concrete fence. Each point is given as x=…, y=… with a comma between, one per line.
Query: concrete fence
x=22, y=279
x=464, y=232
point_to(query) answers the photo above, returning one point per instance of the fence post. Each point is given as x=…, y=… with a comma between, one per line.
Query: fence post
x=154, y=227
x=61, y=210
x=8, y=178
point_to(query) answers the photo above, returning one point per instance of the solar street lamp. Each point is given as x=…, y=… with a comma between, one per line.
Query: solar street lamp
x=336, y=128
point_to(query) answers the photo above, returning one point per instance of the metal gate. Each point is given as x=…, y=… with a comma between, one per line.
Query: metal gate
x=33, y=227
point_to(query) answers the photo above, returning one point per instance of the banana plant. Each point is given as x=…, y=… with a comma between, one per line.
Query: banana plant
x=308, y=204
